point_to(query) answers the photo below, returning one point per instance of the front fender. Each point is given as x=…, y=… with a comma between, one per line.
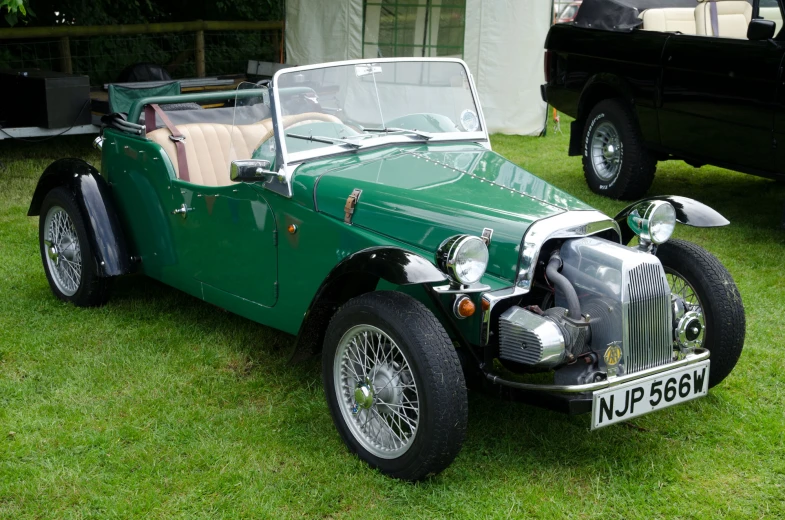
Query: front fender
x=357, y=274
x=688, y=211
x=91, y=193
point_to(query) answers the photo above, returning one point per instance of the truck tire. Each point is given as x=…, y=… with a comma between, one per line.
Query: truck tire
x=615, y=162
x=394, y=385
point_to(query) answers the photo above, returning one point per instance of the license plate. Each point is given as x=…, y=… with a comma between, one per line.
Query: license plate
x=649, y=394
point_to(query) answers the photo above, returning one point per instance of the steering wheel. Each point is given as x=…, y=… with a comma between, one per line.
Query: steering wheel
x=289, y=121
x=294, y=119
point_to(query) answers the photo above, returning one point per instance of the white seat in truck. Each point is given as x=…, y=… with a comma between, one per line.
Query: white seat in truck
x=671, y=19
x=733, y=18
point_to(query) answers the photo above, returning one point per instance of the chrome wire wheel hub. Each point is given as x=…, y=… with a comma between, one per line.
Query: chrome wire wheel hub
x=376, y=391
x=606, y=151
x=63, y=253
x=691, y=324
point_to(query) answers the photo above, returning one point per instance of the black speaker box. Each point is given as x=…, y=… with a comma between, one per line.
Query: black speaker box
x=43, y=98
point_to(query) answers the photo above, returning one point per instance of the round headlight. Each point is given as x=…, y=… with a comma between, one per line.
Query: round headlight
x=653, y=221
x=464, y=258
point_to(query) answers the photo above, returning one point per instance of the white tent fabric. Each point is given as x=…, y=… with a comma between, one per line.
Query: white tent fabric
x=318, y=31
x=503, y=46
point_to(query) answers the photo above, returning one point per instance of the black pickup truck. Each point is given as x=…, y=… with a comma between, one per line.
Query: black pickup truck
x=652, y=80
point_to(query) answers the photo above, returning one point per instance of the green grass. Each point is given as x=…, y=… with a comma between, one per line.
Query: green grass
x=162, y=406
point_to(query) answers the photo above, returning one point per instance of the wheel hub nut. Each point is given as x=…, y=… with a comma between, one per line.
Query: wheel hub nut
x=54, y=253
x=363, y=396
x=690, y=331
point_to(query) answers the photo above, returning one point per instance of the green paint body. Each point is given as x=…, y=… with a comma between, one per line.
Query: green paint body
x=234, y=248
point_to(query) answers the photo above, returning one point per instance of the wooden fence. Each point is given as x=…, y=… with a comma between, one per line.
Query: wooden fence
x=198, y=27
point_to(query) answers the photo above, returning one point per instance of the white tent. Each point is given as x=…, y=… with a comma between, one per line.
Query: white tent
x=502, y=44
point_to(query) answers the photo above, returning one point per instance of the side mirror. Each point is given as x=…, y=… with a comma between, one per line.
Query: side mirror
x=249, y=170
x=760, y=29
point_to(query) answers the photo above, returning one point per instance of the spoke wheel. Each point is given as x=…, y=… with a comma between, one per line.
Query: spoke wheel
x=376, y=391
x=682, y=288
x=67, y=256
x=394, y=385
x=63, y=254
x=707, y=289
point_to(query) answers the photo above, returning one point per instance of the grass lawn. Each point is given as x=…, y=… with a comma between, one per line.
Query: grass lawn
x=162, y=406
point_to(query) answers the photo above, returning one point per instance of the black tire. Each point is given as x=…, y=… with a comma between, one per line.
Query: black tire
x=719, y=298
x=434, y=364
x=635, y=173
x=91, y=289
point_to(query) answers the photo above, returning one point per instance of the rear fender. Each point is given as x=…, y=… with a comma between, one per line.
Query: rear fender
x=91, y=193
x=358, y=274
x=688, y=211
x=599, y=87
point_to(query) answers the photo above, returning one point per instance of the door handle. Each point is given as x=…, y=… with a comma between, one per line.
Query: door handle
x=182, y=210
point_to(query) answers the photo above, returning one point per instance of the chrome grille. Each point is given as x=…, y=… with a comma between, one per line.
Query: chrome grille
x=647, y=325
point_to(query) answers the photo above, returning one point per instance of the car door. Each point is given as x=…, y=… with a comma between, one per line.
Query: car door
x=226, y=239
x=718, y=98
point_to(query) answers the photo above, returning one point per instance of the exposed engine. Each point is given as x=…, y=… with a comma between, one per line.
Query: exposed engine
x=606, y=296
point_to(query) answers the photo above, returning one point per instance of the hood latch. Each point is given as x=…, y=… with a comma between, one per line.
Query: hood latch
x=351, y=203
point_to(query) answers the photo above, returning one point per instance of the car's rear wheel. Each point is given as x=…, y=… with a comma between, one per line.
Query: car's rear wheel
x=615, y=162
x=394, y=385
x=708, y=289
x=66, y=253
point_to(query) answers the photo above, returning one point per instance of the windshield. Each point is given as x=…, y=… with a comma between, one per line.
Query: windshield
x=335, y=108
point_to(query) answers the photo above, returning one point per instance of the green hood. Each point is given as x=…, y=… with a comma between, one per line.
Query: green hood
x=424, y=195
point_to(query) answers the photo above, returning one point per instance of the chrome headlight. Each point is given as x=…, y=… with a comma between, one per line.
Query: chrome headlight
x=464, y=258
x=653, y=221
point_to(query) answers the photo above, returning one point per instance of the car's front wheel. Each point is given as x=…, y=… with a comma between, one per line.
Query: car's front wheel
x=66, y=253
x=615, y=161
x=394, y=385
x=707, y=289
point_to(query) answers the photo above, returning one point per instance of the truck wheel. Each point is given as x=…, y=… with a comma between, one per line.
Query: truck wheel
x=615, y=162
x=708, y=289
x=66, y=253
x=394, y=385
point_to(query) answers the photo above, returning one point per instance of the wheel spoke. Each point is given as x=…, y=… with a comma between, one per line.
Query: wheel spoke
x=386, y=424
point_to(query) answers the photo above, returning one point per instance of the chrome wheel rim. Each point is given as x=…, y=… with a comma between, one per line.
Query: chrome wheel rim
x=62, y=251
x=693, y=316
x=376, y=391
x=606, y=151
x=682, y=288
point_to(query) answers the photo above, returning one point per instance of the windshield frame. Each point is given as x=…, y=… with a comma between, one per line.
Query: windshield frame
x=284, y=158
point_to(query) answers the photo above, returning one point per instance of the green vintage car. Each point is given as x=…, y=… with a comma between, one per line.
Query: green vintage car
x=359, y=206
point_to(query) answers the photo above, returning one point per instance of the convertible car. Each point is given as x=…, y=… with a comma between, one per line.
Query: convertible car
x=359, y=206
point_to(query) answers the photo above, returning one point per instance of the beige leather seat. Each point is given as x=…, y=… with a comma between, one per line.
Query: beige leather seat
x=672, y=19
x=211, y=147
x=733, y=18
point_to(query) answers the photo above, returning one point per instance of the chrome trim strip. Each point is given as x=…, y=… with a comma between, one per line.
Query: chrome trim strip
x=570, y=224
x=690, y=359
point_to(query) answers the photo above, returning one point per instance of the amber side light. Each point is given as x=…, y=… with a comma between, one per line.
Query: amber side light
x=486, y=305
x=465, y=307
x=292, y=229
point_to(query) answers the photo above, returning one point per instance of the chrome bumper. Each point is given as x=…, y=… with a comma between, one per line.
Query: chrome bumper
x=699, y=355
